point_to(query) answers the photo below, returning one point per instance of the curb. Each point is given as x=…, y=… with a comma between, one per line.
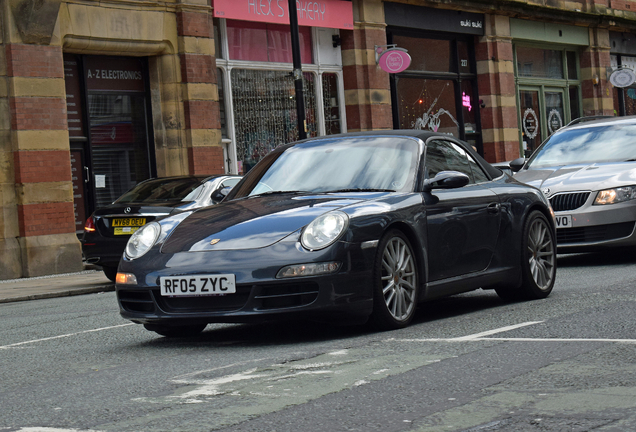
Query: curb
x=66, y=293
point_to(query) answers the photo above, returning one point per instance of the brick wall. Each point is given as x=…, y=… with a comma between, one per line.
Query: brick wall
x=201, y=105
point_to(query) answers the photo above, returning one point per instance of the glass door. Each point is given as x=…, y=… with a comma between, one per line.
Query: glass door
x=531, y=135
x=542, y=112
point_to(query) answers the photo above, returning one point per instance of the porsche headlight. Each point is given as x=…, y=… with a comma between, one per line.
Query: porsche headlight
x=616, y=195
x=324, y=230
x=142, y=240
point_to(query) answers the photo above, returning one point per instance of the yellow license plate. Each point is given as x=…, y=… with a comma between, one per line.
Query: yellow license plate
x=125, y=230
x=129, y=222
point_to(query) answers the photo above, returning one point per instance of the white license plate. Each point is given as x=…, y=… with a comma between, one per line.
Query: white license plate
x=563, y=221
x=198, y=285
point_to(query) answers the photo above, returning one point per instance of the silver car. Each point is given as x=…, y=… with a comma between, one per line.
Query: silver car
x=588, y=173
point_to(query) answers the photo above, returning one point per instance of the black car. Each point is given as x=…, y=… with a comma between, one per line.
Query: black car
x=108, y=229
x=355, y=227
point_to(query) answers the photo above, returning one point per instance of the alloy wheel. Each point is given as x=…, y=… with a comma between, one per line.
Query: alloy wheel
x=541, y=253
x=398, y=279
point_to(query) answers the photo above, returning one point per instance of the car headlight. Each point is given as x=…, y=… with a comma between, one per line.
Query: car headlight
x=324, y=230
x=142, y=240
x=616, y=195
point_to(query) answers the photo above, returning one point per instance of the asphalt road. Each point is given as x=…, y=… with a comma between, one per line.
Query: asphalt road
x=468, y=363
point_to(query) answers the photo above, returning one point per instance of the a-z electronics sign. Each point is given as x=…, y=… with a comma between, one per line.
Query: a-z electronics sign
x=321, y=13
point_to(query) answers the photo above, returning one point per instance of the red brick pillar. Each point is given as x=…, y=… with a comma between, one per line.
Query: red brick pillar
x=367, y=88
x=496, y=83
x=41, y=160
x=200, y=106
x=596, y=89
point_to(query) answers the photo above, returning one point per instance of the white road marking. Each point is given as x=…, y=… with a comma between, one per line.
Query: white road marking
x=63, y=336
x=495, y=331
x=626, y=341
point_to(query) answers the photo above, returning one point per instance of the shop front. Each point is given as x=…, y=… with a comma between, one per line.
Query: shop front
x=256, y=89
x=623, y=56
x=438, y=91
x=547, y=77
x=109, y=128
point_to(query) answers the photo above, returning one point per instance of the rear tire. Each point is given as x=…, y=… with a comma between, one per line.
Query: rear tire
x=176, y=331
x=110, y=272
x=394, y=283
x=538, y=261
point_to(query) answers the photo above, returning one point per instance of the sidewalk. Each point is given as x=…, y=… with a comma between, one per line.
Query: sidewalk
x=85, y=282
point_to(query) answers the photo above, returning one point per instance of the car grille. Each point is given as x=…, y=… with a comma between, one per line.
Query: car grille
x=224, y=303
x=594, y=233
x=267, y=297
x=568, y=201
x=286, y=295
x=136, y=301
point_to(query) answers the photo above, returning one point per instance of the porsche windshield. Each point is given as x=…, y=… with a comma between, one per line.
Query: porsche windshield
x=334, y=165
x=586, y=145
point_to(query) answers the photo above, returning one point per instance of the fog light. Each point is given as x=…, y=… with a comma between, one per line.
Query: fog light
x=126, y=279
x=311, y=269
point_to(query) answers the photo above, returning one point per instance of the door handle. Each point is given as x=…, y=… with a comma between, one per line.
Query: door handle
x=494, y=208
x=88, y=175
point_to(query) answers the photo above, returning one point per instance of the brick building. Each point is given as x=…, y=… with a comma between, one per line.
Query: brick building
x=96, y=96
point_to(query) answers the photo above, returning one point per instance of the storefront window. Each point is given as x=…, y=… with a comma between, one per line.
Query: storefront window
x=118, y=142
x=330, y=103
x=265, y=42
x=265, y=112
x=539, y=63
x=430, y=55
x=469, y=107
x=427, y=104
x=624, y=98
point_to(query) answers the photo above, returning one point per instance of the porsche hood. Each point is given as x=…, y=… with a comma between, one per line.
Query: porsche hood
x=249, y=223
x=590, y=177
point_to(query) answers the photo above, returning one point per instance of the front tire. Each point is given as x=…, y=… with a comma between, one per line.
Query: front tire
x=395, y=282
x=174, y=331
x=538, y=261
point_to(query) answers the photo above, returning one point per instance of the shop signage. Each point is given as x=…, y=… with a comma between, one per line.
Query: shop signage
x=530, y=123
x=394, y=60
x=623, y=77
x=114, y=73
x=555, y=122
x=403, y=15
x=320, y=13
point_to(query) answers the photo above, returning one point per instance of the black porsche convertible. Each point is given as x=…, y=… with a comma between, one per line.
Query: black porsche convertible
x=357, y=227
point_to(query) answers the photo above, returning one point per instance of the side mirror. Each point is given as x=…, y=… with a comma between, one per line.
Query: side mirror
x=517, y=164
x=446, y=180
x=220, y=194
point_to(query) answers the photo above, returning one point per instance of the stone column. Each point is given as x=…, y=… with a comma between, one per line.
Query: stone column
x=597, y=92
x=200, y=92
x=37, y=194
x=496, y=84
x=367, y=88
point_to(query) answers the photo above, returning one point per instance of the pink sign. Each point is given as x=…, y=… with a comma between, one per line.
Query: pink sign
x=394, y=60
x=322, y=13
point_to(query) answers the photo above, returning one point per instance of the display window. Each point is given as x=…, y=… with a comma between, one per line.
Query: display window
x=624, y=98
x=257, y=92
x=438, y=92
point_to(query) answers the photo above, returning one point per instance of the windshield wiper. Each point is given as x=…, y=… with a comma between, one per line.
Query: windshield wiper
x=360, y=190
x=281, y=192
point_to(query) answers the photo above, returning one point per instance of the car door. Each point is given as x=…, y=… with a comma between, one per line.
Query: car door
x=462, y=223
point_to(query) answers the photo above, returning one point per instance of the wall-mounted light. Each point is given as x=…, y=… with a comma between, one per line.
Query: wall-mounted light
x=596, y=80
